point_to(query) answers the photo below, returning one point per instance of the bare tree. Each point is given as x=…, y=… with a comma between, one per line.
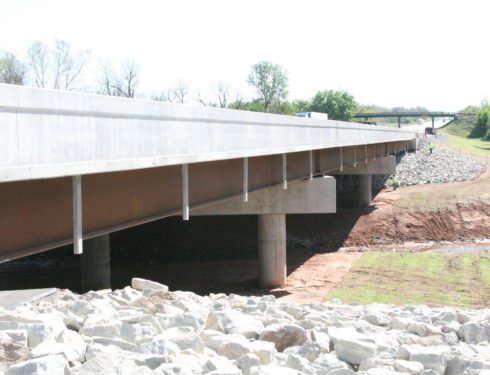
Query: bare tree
x=161, y=96
x=106, y=78
x=178, y=92
x=123, y=83
x=130, y=76
x=11, y=69
x=204, y=102
x=222, y=91
x=239, y=102
x=67, y=67
x=58, y=67
x=38, y=63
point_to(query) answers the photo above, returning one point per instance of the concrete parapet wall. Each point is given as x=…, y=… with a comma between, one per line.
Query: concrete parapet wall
x=48, y=133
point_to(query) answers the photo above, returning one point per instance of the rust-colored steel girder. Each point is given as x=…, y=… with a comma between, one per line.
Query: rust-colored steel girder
x=36, y=215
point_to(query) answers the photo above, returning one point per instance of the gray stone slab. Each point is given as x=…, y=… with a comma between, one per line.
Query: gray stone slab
x=9, y=299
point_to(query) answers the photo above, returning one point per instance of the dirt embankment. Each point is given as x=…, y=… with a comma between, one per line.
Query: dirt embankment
x=390, y=225
x=439, y=212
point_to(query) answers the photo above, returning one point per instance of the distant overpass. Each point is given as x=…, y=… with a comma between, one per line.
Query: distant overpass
x=400, y=115
x=75, y=167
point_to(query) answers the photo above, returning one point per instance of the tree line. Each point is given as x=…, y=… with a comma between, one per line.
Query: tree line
x=57, y=66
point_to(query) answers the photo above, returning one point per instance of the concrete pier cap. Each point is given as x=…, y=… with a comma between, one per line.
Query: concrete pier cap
x=385, y=165
x=317, y=196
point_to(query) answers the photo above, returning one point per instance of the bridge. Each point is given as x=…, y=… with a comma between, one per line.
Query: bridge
x=75, y=167
x=399, y=115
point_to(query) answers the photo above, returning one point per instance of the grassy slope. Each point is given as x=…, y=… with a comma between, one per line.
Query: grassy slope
x=471, y=144
x=458, y=132
x=461, y=127
x=441, y=197
x=454, y=279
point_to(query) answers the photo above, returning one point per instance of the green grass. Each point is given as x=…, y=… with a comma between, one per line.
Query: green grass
x=454, y=279
x=475, y=145
x=461, y=127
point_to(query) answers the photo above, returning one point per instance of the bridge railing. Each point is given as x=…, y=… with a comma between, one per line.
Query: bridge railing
x=49, y=133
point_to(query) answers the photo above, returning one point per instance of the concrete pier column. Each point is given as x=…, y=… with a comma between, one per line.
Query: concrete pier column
x=95, y=264
x=365, y=190
x=272, y=250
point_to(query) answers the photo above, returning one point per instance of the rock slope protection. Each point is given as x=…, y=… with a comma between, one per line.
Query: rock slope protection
x=439, y=167
x=149, y=330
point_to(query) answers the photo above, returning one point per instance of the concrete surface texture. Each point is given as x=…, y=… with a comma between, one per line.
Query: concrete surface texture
x=365, y=189
x=301, y=197
x=49, y=133
x=95, y=264
x=272, y=250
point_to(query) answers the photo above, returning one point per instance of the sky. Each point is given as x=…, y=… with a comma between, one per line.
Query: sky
x=431, y=53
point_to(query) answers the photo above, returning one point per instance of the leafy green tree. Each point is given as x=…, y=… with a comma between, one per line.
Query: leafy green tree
x=482, y=123
x=471, y=109
x=271, y=83
x=300, y=105
x=340, y=105
x=11, y=69
x=254, y=106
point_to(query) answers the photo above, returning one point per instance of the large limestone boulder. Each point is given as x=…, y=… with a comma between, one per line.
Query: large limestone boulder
x=462, y=365
x=231, y=321
x=410, y=367
x=475, y=332
x=110, y=328
x=246, y=362
x=432, y=358
x=220, y=365
x=284, y=336
x=329, y=362
x=48, y=365
x=14, y=336
x=231, y=346
x=354, y=351
x=142, y=284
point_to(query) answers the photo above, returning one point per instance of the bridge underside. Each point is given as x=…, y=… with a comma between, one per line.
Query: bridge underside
x=37, y=215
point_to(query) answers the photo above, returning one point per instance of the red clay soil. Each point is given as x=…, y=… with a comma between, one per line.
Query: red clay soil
x=440, y=212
